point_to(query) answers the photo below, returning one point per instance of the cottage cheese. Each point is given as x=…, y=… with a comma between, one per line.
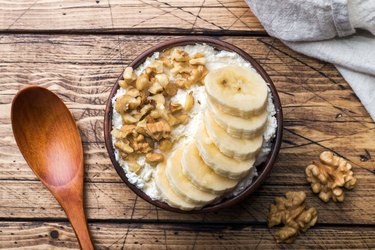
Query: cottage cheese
x=183, y=134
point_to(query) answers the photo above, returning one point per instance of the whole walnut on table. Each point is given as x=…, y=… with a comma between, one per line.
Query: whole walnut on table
x=291, y=212
x=329, y=175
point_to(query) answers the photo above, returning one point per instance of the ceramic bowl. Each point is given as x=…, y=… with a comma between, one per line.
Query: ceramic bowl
x=263, y=170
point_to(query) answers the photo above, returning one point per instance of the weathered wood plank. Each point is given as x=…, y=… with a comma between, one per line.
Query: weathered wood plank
x=295, y=155
x=114, y=201
x=43, y=235
x=151, y=16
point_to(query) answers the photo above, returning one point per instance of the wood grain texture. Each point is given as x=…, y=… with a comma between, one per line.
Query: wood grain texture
x=59, y=235
x=151, y=16
x=114, y=201
x=320, y=112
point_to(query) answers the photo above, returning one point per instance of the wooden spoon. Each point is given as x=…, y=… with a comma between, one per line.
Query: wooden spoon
x=48, y=138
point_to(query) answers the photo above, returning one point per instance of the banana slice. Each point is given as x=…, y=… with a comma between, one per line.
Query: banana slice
x=218, y=162
x=239, y=149
x=238, y=91
x=202, y=175
x=169, y=196
x=236, y=126
x=183, y=185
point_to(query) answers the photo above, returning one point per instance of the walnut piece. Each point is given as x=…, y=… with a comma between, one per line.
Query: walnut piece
x=157, y=66
x=198, y=55
x=182, y=118
x=162, y=79
x=129, y=75
x=154, y=158
x=159, y=99
x=189, y=101
x=196, y=61
x=179, y=55
x=158, y=130
x=166, y=62
x=290, y=212
x=329, y=175
x=142, y=82
x=134, y=167
x=125, y=147
x=140, y=146
x=123, y=132
x=155, y=88
x=165, y=145
x=175, y=107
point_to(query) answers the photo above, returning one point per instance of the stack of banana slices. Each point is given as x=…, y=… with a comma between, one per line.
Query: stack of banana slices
x=226, y=144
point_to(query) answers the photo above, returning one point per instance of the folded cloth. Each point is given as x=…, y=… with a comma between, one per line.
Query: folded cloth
x=337, y=31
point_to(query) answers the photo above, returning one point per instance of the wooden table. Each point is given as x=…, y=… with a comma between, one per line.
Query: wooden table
x=78, y=48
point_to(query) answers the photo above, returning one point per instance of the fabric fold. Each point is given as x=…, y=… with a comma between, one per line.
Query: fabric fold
x=329, y=30
x=341, y=19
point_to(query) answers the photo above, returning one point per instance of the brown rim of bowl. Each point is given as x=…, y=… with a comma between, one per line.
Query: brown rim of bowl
x=263, y=169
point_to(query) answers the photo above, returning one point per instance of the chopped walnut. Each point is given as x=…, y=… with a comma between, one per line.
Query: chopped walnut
x=198, y=74
x=181, y=83
x=133, y=92
x=134, y=102
x=165, y=145
x=329, y=175
x=139, y=138
x=194, y=76
x=162, y=79
x=130, y=100
x=180, y=68
x=142, y=82
x=143, y=95
x=158, y=130
x=122, y=84
x=154, y=158
x=172, y=120
x=140, y=146
x=121, y=104
x=179, y=55
x=175, y=107
x=155, y=88
x=128, y=119
x=143, y=112
x=159, y=99
x=123, y=132
x=134, y=167
x=189, y=101
x=157, y=66
x=155, y=114
x=166, y=62
x=125, y=147
x=198, y=55
x=129, y=76
x=290, y=212
x=182, y=118
x=200, y=61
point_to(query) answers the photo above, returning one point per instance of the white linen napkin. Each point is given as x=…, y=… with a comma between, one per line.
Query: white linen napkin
x=337, y=31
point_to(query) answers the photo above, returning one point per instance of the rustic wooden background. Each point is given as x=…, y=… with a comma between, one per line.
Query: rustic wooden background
x=78, y=48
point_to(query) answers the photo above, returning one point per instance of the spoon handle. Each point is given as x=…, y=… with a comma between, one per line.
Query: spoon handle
x=77, y=218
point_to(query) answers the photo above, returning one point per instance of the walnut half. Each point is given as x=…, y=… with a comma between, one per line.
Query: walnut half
x=329, y=175
x=290, y=212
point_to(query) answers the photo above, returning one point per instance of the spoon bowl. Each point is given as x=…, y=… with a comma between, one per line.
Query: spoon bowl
x=49, y=140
